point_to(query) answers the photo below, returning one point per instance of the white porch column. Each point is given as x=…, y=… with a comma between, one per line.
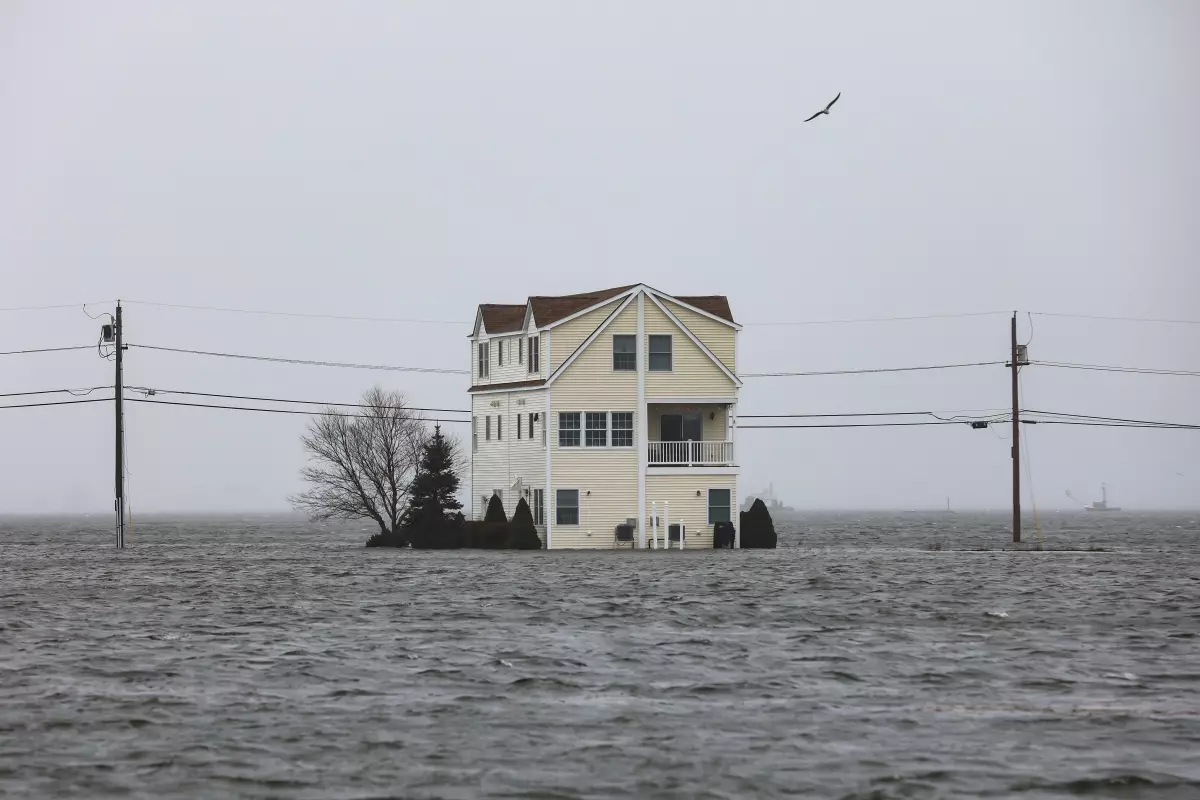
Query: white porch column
x=736, y=500
x=642, y=425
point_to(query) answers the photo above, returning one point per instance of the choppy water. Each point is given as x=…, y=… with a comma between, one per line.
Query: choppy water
x=272, y=658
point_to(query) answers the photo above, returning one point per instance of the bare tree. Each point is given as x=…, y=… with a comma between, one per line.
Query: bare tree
x=362, y=463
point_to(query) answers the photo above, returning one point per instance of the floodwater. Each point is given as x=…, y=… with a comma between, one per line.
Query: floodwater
x=269, y=657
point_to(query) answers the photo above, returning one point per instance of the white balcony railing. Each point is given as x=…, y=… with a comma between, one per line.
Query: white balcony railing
x=690, y=454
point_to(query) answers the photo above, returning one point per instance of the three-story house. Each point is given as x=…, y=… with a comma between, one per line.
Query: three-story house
x=603, y=408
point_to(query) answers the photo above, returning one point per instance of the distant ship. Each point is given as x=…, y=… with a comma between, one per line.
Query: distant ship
x=1102, y=503
x=770, y=500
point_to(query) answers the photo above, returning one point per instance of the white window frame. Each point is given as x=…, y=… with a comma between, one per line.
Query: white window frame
x=518, y=425
x=499, y=352
x=708, y=503
x=499, y=427
x=487, y=427
x=520, y=349
x=484, y=359
x=578, y=508
x=578, y=429
x=537, y=499
x=632, y=336
x=535, y=355
x=612, y=429
x=474, y=433
x=587, y=415
x=650, y=354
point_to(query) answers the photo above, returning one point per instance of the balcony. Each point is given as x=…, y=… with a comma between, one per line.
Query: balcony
x=690, y=454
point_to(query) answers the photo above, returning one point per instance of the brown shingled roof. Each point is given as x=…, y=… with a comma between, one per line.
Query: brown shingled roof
x=479, y=387
x=717, y=305
x=502, y=318
x=547, y=310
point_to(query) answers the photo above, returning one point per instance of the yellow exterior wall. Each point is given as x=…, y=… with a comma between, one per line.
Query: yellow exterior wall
x=610, y=474
x=717, y=337
x=685, y=506
x=693, y=373
x=566, y=338
x=714, y=430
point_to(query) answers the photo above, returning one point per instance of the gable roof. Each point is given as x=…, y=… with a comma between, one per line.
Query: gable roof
x=498, y=318
x=548, y=310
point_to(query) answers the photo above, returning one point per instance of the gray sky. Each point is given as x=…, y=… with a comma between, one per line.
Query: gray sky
x=414, y=159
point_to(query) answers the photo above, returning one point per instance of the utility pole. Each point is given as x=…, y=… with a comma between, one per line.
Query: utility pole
x=1016, y=433
x=120, y=474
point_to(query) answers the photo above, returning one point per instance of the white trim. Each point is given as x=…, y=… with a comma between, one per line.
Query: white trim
x=478, y=322
x=669, y=336
x=699, y=311
x=578, y=505
x=546, y=439
x=708, y=503
x=640, y=420
x=693, y=400
x=502, y=389
x=688, y=333
x=731, y=421
x=588, y=341
x=698, y=470
x=628, y=293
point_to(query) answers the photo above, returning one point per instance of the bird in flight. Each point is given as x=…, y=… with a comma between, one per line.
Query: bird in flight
x=824, y=110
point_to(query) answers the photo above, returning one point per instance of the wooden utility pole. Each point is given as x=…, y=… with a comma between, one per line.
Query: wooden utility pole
x=120, y=396
x=1016, y=436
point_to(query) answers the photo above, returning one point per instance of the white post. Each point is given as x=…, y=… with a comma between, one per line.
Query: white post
x=682, y=533
x=653, y=526
x=666, y=524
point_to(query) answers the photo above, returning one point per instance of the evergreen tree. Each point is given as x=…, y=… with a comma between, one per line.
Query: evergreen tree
x=495, y=510
x=522, y=535
x=436, y=483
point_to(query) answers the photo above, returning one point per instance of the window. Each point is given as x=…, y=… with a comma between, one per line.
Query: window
x=539, y=507
x=622, y=429
x=474, y=433
x=520, y=351
x=518, y=424
x=499, y=425
x=532, y=417
x=500, y=353
x=597, y=429
x=483, y=359
x=624, y=352
x=568, y=429
x=535, y=356
x=660, y=352
x=718, y=506
x=566, y=507
x=487, y=428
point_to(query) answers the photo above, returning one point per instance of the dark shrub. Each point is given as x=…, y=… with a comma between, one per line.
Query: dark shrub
x=393, y=539
x=723, y=535
x=522, y=535
x=485, y=535
x=495, y=510
x=436, y=531
x=758, y=530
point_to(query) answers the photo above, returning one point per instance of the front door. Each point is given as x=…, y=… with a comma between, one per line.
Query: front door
x=680, y=428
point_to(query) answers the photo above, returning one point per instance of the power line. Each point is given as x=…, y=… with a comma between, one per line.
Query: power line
x=867, y=371
x=1117, y=319
x=150, y=391
x=1091, y=418
x=871, y=319
x=1155, y=426
x=862, y=424
x=58, y=305
x=77, y=392
x=1110, y=368
x=1000, y=412
x=59, y=403
x=300, y=314
x=45, y=350
x=265, y=410
x=305, y=362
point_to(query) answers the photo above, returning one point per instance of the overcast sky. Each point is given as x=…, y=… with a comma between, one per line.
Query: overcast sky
x=415, y=159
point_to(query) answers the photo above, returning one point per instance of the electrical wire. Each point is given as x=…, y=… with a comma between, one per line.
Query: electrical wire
x=59, y=403
x=1150, y=426
x=58, y=305
x=299, y=314
x=44, y=350
x=265, y=410
x=154, y=391
x=1090, y=417
x=1116, y=319
x=74, y=392
x=1110, y=368
x=871, y=319
x=867, y=371
x=857, y=425
x=306, y=362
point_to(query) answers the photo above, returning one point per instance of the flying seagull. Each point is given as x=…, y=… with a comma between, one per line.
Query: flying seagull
x=824, y=110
